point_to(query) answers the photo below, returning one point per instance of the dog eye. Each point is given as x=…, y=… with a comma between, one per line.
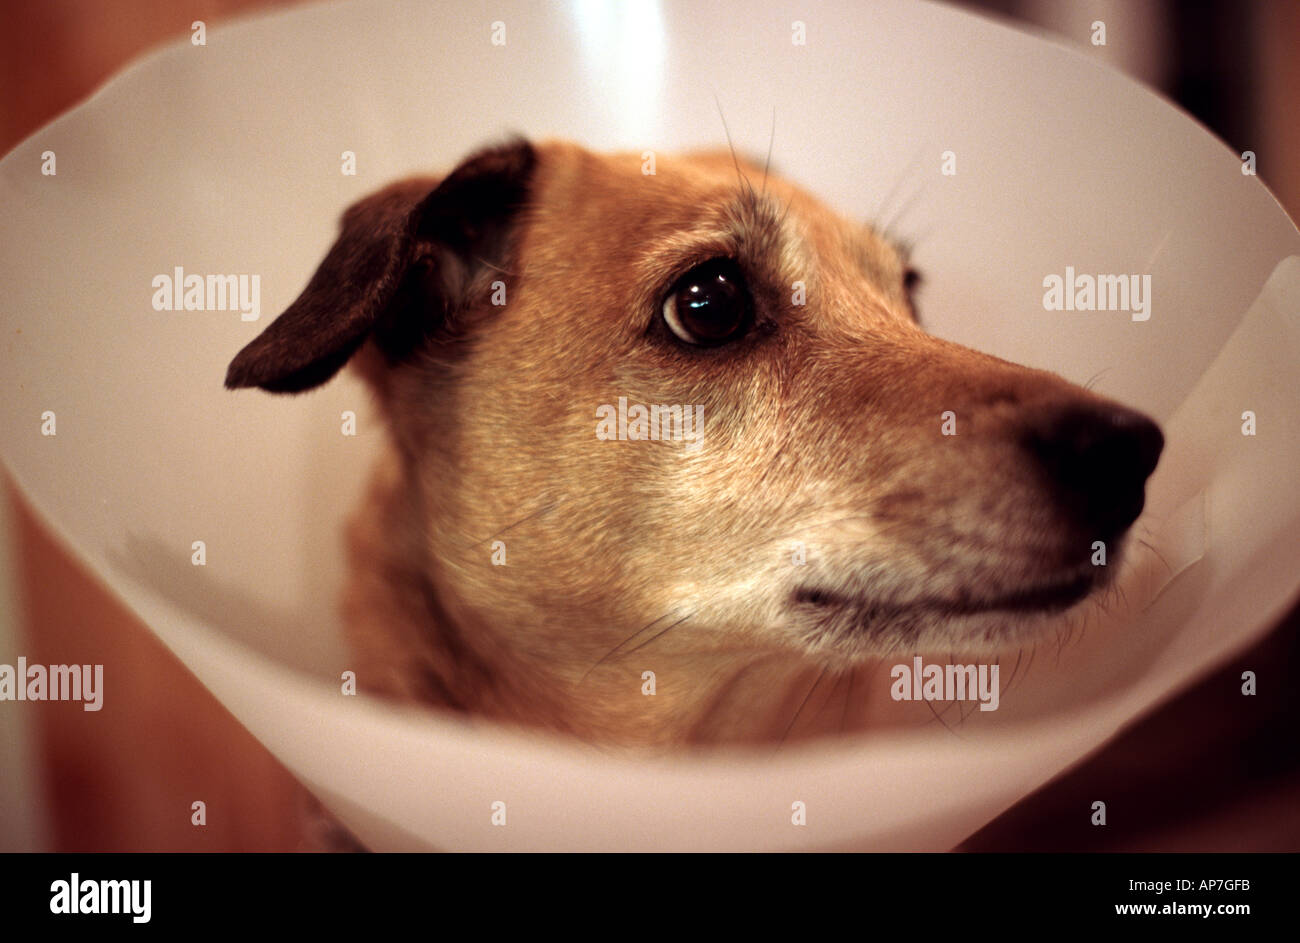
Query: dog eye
x=709, y=305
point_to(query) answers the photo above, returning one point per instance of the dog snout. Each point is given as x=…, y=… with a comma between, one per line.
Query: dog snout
x=1098, y=458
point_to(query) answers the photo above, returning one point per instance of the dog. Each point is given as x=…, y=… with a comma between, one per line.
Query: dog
x=853, y=488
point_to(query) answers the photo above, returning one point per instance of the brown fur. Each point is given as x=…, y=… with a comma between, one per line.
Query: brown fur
x=821, y=425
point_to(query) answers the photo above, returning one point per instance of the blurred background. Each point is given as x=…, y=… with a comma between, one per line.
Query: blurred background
x=1209, y=771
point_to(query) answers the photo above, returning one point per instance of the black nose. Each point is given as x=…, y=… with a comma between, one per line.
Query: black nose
x=1098, y=458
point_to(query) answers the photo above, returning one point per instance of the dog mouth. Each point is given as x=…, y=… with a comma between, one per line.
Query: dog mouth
x=1045, y=598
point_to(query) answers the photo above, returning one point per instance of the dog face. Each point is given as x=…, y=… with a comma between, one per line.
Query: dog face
x=851, y=486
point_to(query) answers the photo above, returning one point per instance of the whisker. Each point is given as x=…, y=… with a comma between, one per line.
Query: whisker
x=998, y=662
x=840, y=677
x=848, y=699
x=949, y=704
x=486, y=264
x=937, y=717
x=1119, y=591
x=659, y=635
x=770, y=141
x=1033, y=652
x=786, y=212
x=908, y=244
x=1020, y=654
x=972, y=700
x=803, y=704
x=527, y=517
x=613, y=650
x=886, y=227
x=907, y=170
x=1157, y=553
x=740, y=177
x=1097, y=376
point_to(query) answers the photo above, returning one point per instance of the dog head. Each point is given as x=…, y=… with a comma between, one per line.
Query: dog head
x=694, y=410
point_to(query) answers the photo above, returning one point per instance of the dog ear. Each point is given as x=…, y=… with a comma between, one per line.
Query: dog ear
x=402, y=263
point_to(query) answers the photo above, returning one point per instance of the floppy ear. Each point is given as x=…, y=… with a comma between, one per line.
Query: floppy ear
x=402, y=262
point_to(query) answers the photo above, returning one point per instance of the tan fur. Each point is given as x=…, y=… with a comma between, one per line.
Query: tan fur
x=624, y=557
